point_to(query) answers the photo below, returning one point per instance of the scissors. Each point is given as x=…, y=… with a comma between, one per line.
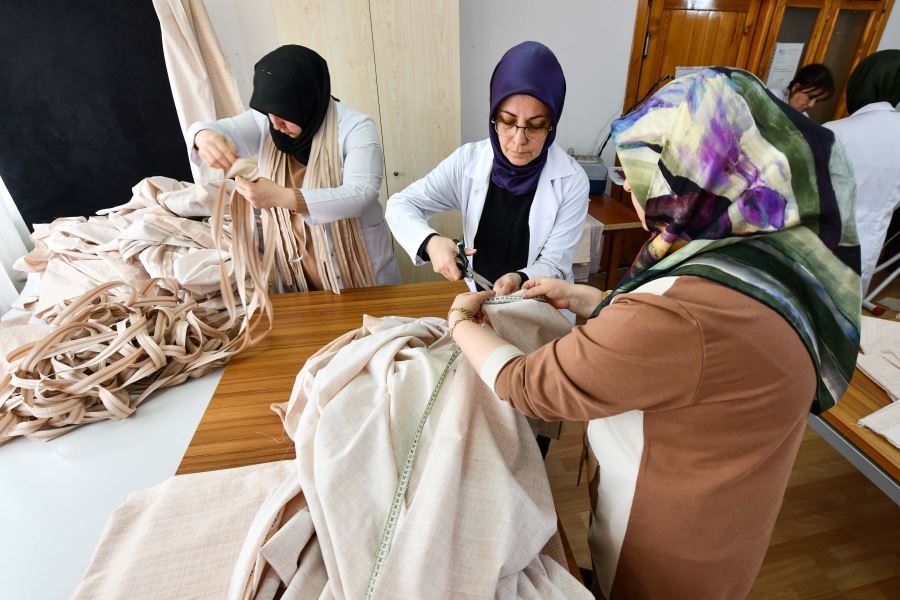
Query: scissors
x=462, y=261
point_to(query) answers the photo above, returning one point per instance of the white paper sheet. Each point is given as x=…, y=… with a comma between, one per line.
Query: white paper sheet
x=785, y=61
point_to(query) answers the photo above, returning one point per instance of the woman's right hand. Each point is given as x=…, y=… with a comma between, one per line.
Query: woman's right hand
x=580, y=299
x=215, y=150
x=442, y=253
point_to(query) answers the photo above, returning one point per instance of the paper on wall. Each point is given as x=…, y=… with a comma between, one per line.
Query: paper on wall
x=785, y=61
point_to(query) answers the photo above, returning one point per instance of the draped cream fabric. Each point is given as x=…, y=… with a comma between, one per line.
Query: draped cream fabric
x=477, y=514
x=161, y=232
x=351, y=266
x=131, y=302
x=203, y=84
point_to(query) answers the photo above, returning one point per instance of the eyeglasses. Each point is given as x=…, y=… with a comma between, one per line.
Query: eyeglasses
x=617, y=174
x=532, y=133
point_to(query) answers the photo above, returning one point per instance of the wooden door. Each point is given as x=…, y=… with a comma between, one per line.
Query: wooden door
x=686, y=33
x=793, y=22
x=838, y=33
x=848, y=38
x=417, y=62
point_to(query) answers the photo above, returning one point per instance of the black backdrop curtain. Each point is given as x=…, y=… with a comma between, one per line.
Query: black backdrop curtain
x=86, y=110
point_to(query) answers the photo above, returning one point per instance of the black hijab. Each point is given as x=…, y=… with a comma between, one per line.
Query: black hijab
x=875, y=79
x=292, y=82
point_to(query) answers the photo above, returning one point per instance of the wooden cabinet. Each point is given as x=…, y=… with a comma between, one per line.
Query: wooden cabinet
x=744, y=34
x=398, y=62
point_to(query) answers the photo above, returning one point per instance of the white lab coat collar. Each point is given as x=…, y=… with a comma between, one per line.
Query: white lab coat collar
x=546, y=201
x=874, y=106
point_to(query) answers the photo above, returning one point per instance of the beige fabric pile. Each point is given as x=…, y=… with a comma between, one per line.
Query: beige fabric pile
x=476, y=518
x=165, y=287
x=163, y=231
x=101, y=355
x=127, y=302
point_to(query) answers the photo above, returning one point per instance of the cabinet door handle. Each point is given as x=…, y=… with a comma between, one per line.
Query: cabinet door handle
x=396, y=173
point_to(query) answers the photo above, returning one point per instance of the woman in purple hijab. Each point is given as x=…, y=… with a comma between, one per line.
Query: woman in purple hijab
x=523, y=200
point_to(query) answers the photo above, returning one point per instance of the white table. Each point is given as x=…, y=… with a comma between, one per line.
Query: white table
x=55, y=497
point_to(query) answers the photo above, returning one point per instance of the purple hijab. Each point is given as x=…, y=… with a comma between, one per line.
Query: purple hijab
x=529, y=68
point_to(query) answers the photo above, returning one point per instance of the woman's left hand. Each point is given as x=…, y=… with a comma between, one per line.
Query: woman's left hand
x=471, y=302
x=265, y=193
x=509, y=283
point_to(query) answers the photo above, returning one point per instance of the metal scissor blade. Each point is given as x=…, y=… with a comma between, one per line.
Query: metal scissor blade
x=478, y=279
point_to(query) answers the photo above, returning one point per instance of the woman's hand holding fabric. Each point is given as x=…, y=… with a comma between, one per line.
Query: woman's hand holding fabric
x=580, y=299
x=215, y=150
x=509, y=283
x=468, y=303
x=442, y=253
x=265, y=193
x=475, y=342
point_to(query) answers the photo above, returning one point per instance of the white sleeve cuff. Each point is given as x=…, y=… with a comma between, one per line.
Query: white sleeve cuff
x=495, y=361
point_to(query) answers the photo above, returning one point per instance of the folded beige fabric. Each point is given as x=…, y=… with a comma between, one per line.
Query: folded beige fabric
x=880, y=354
x=885, y=422
x=134, y=242
x=475, y=519
x=186, y=532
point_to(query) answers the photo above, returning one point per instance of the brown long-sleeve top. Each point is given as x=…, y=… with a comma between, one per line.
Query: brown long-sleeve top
x=724, y=385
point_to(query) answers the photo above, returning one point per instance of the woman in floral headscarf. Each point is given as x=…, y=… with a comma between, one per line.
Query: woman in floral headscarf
x=739, y=316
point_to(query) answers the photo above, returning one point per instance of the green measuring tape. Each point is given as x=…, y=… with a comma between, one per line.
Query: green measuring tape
x=387, y=537
x=508, y=299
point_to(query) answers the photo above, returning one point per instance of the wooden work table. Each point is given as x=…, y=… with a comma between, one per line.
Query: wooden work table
x=238, y=427
x=872, y=454
x=616, y=218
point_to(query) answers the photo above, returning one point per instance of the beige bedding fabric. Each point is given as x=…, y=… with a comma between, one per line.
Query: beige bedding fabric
x=477, y=514
x=170, y=526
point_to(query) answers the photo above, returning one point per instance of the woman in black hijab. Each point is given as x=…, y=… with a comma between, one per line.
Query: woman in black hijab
x=871, y=138
x=290, y=103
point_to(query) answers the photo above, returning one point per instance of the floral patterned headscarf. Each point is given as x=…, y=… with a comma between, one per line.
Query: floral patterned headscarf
x=740, y=188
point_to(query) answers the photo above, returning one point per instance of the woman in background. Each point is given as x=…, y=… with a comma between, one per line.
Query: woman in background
x=290, y=102
x=871, y=136
x=811, y=84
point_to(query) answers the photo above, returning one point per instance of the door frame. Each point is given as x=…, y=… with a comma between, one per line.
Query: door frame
x=762, y=44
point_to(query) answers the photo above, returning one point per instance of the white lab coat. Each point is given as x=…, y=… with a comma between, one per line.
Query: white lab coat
x=460, y=181
x=871, y=137
x=363, y=162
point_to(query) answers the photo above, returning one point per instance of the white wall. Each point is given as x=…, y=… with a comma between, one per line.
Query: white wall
x=246, y=31
x=591, y=39
x=891, y=37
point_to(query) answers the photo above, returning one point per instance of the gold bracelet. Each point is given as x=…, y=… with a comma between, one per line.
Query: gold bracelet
x=472, y=319
x=468, y=313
